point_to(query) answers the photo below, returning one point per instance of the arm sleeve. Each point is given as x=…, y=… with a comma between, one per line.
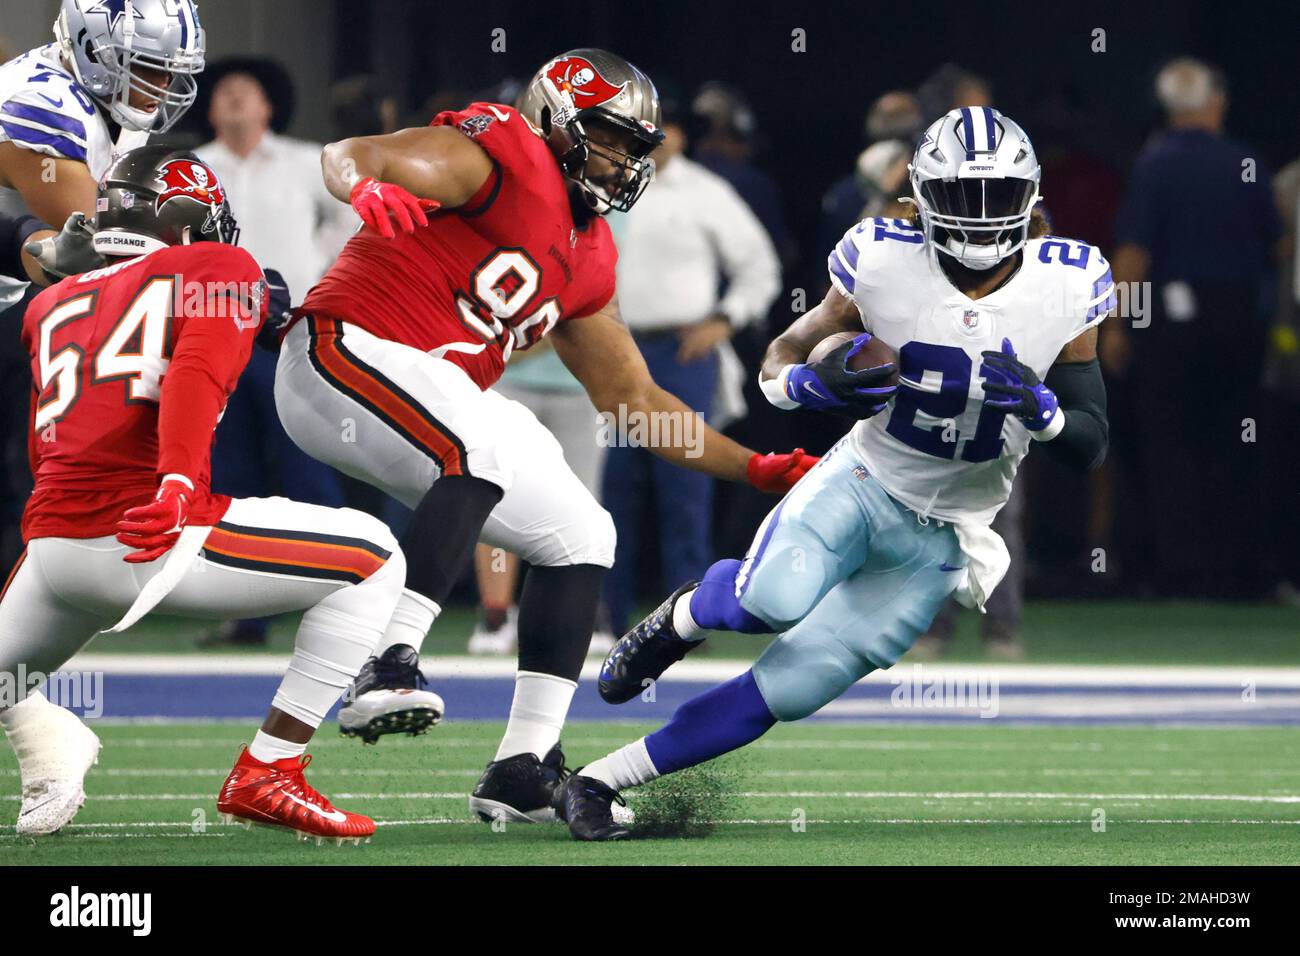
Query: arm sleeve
x=211, y=350
x=748, y=259
x=14, y=231
x=1081, y=392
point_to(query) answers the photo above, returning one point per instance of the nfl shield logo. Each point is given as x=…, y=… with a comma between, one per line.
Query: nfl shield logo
x=970, y=318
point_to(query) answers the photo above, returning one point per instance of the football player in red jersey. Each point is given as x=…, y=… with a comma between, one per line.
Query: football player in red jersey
x=484, y=232
x=132, y=366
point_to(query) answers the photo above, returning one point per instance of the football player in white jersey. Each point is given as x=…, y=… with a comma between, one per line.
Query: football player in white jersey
x=117, y=71
x=995, y=327
x=117, y=68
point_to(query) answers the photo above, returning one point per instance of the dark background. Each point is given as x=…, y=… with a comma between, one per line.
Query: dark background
x=811, y=105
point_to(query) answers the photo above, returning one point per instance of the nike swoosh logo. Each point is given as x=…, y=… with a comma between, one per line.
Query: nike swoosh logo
x=949, y=567
x=503, y=117
x=808, y=386
x=52, y=101
x=32, y=809
x=337, y=816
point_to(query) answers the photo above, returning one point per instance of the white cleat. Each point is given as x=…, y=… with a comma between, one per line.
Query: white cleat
x=391, y=711
x=55, y=752
x=504, y=640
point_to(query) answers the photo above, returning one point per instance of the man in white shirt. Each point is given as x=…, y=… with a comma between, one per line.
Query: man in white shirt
x=695, y=265
x=286, y=216
x=288, y=222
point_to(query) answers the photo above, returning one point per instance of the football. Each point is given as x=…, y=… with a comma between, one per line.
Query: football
x=876, y=353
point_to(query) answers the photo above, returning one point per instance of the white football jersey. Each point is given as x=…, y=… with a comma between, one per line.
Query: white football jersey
x=936, y=448
x=43, y=108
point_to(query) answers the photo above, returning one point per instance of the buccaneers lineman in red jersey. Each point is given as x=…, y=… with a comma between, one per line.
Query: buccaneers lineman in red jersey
x=132, y=365
x=483, y=233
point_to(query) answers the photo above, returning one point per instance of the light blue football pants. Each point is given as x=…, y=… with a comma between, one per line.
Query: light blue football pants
x=849, y=575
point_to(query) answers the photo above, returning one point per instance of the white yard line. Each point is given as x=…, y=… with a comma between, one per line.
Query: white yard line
x=1009, y=795
x=475, y=772
x=712, y=671
x=115, y=830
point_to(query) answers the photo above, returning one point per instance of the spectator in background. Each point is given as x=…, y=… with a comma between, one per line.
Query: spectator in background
x=358, y=107
x=879, y=176
x=949, y=87
x=1199, y=223
x=361, y=107
x=688, y=236
x=1282, y=381
x=273, y=182
x=275, y=190
x=725, y=133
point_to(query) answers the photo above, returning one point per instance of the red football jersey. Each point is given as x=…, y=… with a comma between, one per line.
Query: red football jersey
x=488, y=277
x=132, y=366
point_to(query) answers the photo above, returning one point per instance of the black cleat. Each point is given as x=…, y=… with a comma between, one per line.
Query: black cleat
x=519, y=789
x=388, y=697
x=587, y=805
x=645, y=652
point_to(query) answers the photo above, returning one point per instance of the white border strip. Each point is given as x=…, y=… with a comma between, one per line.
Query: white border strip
x=714, y=671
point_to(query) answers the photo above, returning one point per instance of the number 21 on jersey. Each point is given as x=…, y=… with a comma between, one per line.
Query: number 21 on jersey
x=941, y=397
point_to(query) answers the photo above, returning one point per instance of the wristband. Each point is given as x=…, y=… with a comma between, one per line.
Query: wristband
x=1051, y=429
x=774, y=389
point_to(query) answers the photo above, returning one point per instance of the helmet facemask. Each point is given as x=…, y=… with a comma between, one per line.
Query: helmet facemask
x=109, y=70
x=978, y=222
x=629, y=172
x=600, y=118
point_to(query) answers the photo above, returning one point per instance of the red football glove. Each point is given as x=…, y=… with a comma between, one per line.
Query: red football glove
x=154, y=528
x=376, y=202
x=777, y=474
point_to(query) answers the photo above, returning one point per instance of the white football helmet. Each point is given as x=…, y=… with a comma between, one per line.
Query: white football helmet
x=975, y=181
x=106, y=42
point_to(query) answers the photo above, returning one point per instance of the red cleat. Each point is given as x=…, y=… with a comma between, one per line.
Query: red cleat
x=278, y=795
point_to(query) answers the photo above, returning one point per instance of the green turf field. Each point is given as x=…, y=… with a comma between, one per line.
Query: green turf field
x=866, y=794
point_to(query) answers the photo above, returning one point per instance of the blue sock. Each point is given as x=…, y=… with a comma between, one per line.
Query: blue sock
x=714, y=604
x=710, y=725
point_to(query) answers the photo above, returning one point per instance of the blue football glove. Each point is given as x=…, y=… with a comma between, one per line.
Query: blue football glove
x=1012, y=387
x=829, y=385
x=278, y=303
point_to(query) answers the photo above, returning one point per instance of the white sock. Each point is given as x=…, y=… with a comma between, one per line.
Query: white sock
x=328, y=651
x=683, y=623
x=537, y=714
x=410, y=623
x=269, y=749
x=628, y=766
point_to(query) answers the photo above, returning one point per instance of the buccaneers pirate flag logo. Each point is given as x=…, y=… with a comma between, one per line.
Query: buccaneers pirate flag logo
x=187, y=179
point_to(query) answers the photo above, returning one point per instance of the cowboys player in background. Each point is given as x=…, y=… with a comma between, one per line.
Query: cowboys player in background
x=117, y=71
x=995, y=326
